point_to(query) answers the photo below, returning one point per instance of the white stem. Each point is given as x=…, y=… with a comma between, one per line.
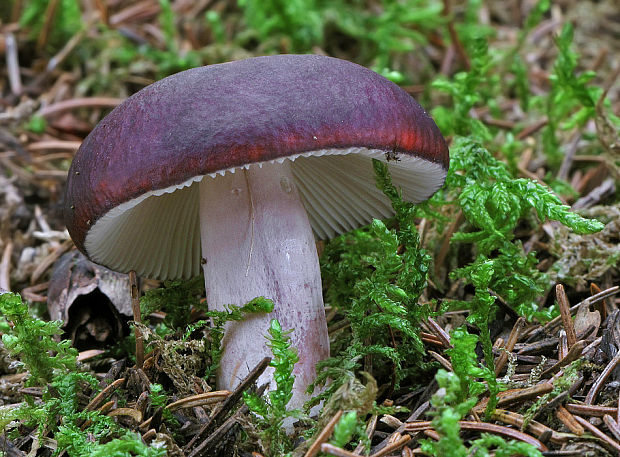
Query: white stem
x=256, y=240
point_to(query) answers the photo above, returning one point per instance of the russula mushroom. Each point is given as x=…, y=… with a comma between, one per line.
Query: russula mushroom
x=233, y=169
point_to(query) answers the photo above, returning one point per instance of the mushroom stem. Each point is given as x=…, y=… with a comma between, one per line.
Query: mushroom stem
x=257, y=241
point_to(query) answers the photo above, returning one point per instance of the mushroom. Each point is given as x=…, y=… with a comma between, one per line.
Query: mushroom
x=235, y=168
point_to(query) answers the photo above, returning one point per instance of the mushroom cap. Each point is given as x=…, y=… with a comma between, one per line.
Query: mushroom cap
x=132, y=198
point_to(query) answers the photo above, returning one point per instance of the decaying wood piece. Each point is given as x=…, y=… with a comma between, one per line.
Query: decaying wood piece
x=92, y=302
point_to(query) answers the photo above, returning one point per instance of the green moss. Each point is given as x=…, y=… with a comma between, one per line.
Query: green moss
x=271, y=411
x=31, y=341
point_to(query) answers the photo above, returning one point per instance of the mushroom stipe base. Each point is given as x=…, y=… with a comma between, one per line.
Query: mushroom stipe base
x=257, y=241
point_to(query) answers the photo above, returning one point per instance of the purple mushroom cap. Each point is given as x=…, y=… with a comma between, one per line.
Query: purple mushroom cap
x=205, y=120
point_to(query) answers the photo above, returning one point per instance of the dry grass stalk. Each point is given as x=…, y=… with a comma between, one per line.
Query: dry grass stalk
x=325, y=434
x=565, y=313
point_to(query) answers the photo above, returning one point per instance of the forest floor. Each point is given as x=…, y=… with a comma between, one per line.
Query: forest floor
x=542, y=98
